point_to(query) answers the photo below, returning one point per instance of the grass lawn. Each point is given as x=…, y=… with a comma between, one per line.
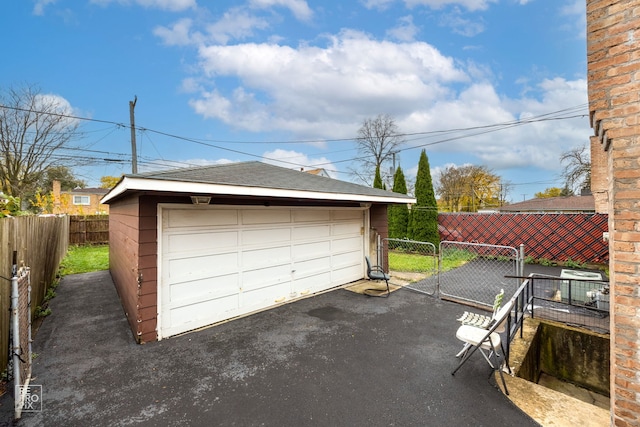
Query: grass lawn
x=85, y=259
x=400, y=261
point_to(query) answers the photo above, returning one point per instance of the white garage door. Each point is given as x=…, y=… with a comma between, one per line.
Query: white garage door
x=221, y=262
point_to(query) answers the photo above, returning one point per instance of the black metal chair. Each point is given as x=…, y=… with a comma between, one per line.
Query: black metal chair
x=376, y=272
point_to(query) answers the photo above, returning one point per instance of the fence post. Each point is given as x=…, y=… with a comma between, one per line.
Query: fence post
x=15, y=330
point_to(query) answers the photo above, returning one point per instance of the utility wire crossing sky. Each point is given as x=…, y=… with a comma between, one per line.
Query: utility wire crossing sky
x=498, y=83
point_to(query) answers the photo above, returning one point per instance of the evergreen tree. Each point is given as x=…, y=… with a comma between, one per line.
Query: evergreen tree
x=398, y=214
x=424, y=214
x=377, y=181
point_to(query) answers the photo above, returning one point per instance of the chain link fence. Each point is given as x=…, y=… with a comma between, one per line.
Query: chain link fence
x=412, y=264
x=467, y=272
x=475, y=272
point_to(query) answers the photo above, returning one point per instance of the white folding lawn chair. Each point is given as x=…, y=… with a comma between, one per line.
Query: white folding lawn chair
x=480, y=320
x=488, y=340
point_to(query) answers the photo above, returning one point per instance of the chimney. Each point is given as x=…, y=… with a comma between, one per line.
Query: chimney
x=56, y=195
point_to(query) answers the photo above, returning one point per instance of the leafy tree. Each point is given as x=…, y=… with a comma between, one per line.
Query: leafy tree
x=577, y=169
x=424, y=214
x=377, y=180
x=9, y=206
x=378, y=140
x=398, y=214
x=109, y=181
x=34, y=127
x=549, y=192
x=470, y=187
x=63, y=174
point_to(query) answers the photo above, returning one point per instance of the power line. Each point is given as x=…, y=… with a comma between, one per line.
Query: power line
x=483, y=129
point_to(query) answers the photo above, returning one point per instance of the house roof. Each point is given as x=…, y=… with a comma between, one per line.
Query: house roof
x=95, y=190
x=252, y=179
x=553, y=204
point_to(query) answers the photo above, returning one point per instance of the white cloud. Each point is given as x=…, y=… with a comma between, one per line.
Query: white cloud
x=299, y=8
x=538, y=144
x=296, y=160
x=236, y=24
x=38, y=8
x=170, y=5
x=405, y=31
x=328, y=89
x=179, y=34
x=471, y=5
x=577, y=10
x=460, y=25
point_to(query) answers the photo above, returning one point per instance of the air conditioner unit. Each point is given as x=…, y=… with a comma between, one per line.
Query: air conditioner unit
x=580, y=285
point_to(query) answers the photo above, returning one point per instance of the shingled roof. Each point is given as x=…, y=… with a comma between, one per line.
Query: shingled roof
x=554, y=204
x=252, y=179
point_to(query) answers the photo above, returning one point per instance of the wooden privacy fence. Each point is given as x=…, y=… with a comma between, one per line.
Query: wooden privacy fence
x=555, y=237
x=88, y=229
x=41, y=243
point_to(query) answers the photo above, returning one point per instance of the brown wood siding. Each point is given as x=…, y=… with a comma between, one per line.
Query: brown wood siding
x=133, y=228
x=148, y=268
x=123, y=256
x=380, y=224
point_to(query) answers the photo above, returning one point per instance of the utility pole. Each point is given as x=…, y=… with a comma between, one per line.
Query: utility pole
x=134, y=150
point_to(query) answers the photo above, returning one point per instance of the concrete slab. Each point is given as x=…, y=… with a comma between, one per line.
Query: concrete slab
x=339, y=358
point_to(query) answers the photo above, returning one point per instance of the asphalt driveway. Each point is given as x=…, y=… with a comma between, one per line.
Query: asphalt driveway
x=336, y=359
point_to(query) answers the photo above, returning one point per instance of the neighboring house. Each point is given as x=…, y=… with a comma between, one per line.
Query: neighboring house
x=318, y=172
x=79, y=201
x=192, y=247
x=566, y=204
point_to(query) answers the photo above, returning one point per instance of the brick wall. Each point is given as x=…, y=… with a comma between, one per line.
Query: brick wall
x=613, y=50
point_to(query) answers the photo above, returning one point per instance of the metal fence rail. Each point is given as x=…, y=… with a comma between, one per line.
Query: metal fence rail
x=412, y=264
x=21, y=358
x=475, y=272
x=570, y=301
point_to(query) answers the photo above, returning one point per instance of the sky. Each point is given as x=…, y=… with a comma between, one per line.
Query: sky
x=495, y=83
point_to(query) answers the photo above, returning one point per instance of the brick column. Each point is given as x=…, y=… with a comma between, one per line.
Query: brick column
x=613, y=50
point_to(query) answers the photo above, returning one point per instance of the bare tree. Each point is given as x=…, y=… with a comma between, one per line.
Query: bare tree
x=33, y=128
x=378, y=140
x=577, y=168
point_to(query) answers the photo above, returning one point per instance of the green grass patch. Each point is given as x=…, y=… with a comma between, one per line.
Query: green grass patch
x=85, y=259
x=417, y=263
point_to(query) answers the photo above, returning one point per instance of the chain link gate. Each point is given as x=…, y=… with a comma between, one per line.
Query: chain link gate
x=474, y=272
x=412, y=264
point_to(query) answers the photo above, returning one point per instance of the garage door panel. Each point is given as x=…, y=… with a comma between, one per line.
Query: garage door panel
x=346, y=214
x=349, y=244
x=200, y=218
x=259, y=258
x=303, y=251
x=265, y=277
x=311, y=284
x=266, y=236
x=311, y=266
x=203, y=266
x=266, y=216
x=346, y=228
x=202, y=241
x=219, y=263
x=347, y=272
x=265, y=297
x=346, y=259
x=192, y=292
x=202, y=314
x=311, y=215
x=311, y=232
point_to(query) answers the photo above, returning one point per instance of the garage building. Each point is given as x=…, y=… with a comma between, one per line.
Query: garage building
x=192, y=247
